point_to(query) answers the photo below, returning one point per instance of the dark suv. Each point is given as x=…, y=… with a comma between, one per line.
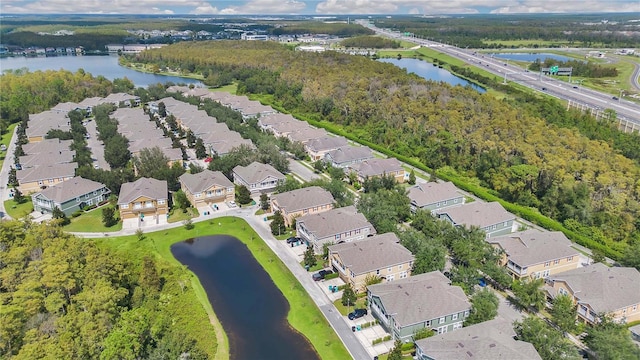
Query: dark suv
x=293, y=239
x=321, y=274
x=357, y=313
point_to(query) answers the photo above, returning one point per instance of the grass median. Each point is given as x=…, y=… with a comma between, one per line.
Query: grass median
x=303, y=315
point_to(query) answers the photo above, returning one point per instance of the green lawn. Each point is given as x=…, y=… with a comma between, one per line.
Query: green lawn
x=303, y=315
x=18, y=211
x=91, y=221
x=345, y=310
x=4, y=140
x=231, y=88
x=176, y=215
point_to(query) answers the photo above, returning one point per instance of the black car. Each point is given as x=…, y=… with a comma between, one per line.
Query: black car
x=293, y=239
x=321, y=274
x=357, y=313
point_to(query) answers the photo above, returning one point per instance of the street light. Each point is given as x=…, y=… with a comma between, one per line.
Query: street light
x=620, y=97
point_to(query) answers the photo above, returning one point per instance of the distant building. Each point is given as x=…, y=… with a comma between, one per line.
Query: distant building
x=258, y=177
x=207, y=188
x=490, y=217
x=145, y=199
x=295, y=203
x=70, y=196
x=434, y=195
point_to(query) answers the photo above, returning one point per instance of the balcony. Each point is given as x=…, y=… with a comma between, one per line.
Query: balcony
x=516, y=269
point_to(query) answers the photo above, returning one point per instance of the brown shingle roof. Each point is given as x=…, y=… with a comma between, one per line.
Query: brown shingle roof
x=376, y=252
x=71, y=189
x=204, y=180
x=257, y=172
x=432, y=192
x=533, y=247
x=148, y=187
x=335, y=221
x=305, y=198
x=478, y=214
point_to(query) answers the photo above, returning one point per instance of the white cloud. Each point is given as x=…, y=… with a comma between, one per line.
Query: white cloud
x=205, y=9
x=567, y=6
x=266, y=7
x=94, y=6
x=356, y=7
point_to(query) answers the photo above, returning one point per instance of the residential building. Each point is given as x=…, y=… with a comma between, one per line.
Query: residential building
x=377, y=168
x=424, y=301
x=258, y=177
x=318, y=147
x=379, y=256
x=493, y=339
x=348, y=155
x=145, y=199
x=41, y=177
x=304, y=135
x=536, y=254
x=333, y=227
x=490, y=217
x=296, y=203
x=598, y=289
x=40, y=124
x=434, y=195
x=70, y=196
x=266, y=122
x=207, y=188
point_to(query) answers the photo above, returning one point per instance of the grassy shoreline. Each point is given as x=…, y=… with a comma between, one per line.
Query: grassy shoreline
x=303, y=315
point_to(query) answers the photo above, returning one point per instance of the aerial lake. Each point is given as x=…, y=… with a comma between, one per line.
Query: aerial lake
x=427, y=71
x=251, y=308
x=531, y=57
x=105, y=65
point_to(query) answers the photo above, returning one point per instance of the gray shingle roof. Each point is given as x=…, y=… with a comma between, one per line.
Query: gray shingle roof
x=304, y=198
x=44, y=172
x=326, y=143
x=148, y=187
x=478, y=214
x=376, y=167
x=47, y=146
x=349, y=153
x=604, y=288
x=533, y=247
x=490, y=340
x=71, y=189
x=305, y=134
x=204, y=180
x=257, y=172
x=432, y=192
x=420, y=298
x=335, y=221
x=62, y=157
x=376, y=252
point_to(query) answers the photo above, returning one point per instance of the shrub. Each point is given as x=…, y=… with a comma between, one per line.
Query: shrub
x=76, y=213
x=331, y=276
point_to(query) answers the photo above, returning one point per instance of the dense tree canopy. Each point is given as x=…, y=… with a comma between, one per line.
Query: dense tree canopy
x=585, y=184
x=62, y=297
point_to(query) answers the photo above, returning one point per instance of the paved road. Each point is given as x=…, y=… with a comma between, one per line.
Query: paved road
x=625, y=110
x=337, y=322
x=96, y=146
x=4, y=174
x=302, y=171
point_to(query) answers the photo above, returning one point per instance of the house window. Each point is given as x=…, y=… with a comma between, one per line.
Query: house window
x=124, y=206
x=378, y=272
x=337, y=236
x=442, y=330
x=427, y=324
x=570, y=258
x=556, y=262
x=40, y=182
x=388, y=270
x=466, y=313
x=306, y=211
x=562, y=291
x=403, y=275
x=441, y=321
x=546, y=273
x=315, y=208
x=400, y=267
x=546, y=264
x=391, y=277
x=50, y=181
x=455, y=201
x=161, y=202
x=635, y=307
x=493, y=227
x=78, y=199
x=454, y=317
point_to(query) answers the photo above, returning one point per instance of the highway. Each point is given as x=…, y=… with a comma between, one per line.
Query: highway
x=581, y=96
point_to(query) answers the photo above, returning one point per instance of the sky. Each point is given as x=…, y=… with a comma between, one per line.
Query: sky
x=313, y=7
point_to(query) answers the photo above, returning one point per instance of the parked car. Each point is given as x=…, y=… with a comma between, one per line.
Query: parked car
x=232, y=204
x=615, y=98
x=293, y=239
x=357, y=313
x=321, y=274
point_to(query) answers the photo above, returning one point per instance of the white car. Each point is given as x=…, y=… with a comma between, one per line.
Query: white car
x=232, y=204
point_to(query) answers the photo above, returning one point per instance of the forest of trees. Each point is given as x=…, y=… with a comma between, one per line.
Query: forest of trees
x=370, y=42
x=506, y=145
x=482, y=31
x=579, y=68
x=62, y=297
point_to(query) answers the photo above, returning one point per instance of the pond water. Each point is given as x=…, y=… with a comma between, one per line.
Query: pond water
x=105, y=65
x=250, y=307
x=427, y=71
x=531, y=57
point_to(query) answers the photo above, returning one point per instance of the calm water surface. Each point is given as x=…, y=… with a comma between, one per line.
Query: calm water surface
x=250, y=307
x=427, y=71
x=106, y=65
x=531, y=57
